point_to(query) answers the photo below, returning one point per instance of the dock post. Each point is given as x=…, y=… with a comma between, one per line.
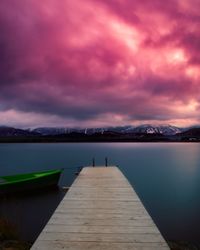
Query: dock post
x=106, y=161
x=93, y=162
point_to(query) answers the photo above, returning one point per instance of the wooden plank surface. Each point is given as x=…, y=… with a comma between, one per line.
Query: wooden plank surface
x=101, y=211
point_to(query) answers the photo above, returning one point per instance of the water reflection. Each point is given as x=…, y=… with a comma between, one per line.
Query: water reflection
x=29, y=212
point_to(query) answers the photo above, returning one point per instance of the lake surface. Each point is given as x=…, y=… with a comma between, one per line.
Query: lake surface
x=166, y=177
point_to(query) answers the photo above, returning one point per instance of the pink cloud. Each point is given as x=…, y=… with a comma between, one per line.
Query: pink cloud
x=100, y=62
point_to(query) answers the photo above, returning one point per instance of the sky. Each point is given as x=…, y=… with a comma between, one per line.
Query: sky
x=96, y=63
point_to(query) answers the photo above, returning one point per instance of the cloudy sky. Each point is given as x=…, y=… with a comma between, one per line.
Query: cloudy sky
x=99, y=62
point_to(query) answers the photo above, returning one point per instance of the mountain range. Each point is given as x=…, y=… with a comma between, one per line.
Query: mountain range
x=142, y=129
x=165, y=130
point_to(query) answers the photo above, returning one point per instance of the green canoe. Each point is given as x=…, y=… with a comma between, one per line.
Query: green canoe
x=24, y=182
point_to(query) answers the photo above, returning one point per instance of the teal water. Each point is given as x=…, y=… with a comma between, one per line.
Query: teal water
x=166, y=177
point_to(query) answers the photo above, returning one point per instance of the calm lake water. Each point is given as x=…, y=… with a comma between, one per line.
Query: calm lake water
x=166, y=177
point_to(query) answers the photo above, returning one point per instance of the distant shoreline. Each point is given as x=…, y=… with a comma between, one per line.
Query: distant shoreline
x=93, y=140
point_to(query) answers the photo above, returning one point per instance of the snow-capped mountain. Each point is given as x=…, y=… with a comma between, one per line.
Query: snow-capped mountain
x=14, y=132
x=52, y=130
x=123, y=131
x=158, y=129
x=144, y=129
x=149, y=129
x=88, y=131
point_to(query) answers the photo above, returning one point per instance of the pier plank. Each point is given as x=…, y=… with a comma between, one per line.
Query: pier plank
x=58, y=245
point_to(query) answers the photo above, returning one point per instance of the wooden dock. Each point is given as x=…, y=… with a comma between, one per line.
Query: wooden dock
x=101, y=211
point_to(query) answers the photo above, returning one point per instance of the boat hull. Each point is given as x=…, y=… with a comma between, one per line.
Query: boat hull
x=30, y=185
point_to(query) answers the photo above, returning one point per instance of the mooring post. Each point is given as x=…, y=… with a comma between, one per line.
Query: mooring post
x=93, y=162
x=106, y=161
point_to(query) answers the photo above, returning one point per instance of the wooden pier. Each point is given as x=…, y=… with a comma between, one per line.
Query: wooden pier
x=101, y=211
